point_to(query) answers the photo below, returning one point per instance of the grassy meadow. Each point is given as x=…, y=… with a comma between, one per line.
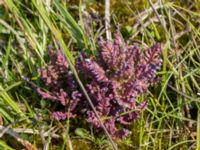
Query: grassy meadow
x=171, y=120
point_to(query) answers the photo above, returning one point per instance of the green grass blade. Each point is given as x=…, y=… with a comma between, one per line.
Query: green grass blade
x=73, y=28
x=53, y=29
x=27, y=29
x=10, y=87
x=198, y=130
x=5, y=146
x=5, y=98
x=6, y=115
x=28, y=106
x=181, y=143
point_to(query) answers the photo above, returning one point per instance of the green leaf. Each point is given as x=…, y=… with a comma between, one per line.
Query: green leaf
x=54, y=30
x=5, y=146
x=5, y=98
x=72, y=27
x=81, y=132
x=6, y=115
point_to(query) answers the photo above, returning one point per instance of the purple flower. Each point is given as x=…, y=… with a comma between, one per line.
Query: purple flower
x=58, y=115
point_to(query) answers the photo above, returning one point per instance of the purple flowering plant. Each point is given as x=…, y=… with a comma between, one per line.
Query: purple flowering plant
x=114, y=79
